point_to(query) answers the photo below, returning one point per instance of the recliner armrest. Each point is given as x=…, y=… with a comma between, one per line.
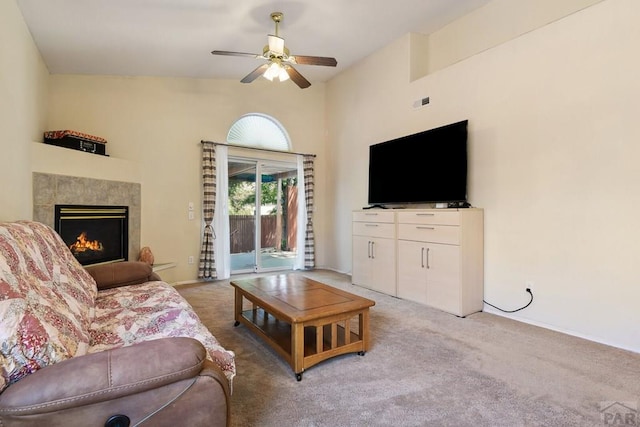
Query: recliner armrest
x=107, y=375
x=121, y=274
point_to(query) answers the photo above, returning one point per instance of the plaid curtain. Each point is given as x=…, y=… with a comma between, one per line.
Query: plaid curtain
x=309, y=240
x=207, y=267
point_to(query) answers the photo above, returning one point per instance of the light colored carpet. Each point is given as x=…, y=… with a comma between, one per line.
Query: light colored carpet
x=425, y=368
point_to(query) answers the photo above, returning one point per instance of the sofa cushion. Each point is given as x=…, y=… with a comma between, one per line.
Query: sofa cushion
x=46, y=300
x=153, y=310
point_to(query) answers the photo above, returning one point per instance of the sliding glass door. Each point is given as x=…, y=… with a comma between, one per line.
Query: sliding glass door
x=262, y=215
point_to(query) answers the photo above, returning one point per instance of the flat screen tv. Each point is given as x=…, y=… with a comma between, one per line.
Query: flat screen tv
x=426, y=167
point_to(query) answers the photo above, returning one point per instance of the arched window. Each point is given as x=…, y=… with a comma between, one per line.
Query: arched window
x=259, y=131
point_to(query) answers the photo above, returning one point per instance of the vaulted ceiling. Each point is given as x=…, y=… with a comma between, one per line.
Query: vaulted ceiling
x=175, y=37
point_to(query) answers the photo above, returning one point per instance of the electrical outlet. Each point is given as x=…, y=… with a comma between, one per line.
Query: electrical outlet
x=190, y=260
x=529, y=285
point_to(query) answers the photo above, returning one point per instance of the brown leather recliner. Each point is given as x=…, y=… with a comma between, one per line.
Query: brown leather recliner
x=166, y=382
x=148, y=376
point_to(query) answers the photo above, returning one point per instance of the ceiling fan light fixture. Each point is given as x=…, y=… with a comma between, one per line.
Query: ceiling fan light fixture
x=283, y=75
x=276, y=71
x=272, y=72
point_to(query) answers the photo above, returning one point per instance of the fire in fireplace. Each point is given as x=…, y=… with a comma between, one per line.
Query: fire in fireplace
x=94, y=234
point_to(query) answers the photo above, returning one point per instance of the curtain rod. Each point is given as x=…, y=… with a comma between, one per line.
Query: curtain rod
x=255, y=148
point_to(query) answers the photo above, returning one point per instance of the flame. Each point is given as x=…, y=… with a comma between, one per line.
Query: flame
x=83, y=244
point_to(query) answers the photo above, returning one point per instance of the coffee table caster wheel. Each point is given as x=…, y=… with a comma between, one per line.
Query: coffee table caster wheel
x=361, y=353
x=299, y=376
x=236, y=323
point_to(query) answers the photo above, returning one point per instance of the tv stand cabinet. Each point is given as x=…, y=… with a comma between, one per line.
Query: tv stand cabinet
x=374, y=250
x=432, y=256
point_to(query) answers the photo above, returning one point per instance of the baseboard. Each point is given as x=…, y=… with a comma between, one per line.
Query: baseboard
x=490, y=310
x=333, y=269
x=189, y=282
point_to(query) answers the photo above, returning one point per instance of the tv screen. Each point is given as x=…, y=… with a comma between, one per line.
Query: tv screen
x=426, y=167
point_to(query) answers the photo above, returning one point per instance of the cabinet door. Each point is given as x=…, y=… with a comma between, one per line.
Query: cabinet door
x=383, y=277
x=361, y=271
x=443, y=278
x=412, y=273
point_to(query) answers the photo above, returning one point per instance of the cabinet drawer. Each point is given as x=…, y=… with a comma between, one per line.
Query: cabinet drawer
x=373, y=216
x=430, y=233
x=374, y=229
x=441, y=217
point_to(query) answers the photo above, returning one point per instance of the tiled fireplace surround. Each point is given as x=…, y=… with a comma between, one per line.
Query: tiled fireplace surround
x=50, y=190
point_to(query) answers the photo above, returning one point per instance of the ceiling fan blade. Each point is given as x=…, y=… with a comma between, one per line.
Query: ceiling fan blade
x=313, y=60
x=255, y=73
x=297, y=77
x=228, y=53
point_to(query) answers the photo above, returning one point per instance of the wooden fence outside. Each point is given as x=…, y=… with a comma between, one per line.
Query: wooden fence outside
x=243, y=232
x=243, y=229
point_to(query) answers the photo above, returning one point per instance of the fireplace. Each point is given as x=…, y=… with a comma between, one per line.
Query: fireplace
x=94, y=234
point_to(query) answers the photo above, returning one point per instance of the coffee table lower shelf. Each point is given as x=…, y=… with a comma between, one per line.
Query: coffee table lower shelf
x=321, y=339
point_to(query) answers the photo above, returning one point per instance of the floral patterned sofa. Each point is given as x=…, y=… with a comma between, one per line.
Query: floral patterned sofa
x=108, y=345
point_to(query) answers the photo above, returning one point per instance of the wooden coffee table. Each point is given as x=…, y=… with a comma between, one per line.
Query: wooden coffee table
x=303, y=320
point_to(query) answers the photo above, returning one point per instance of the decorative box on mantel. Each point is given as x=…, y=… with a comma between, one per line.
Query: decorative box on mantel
x=77, y=141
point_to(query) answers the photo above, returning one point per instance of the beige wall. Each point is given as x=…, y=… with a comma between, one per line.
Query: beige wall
x=495, y=23
x=553, y=161
x=23, y=92
x=553, y=149
x=157, y=124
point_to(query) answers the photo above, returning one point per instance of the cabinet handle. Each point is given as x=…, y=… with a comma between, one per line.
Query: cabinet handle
x=422, y=258
x=371, y=225
x=371, y=214
x=428, y=267
x=425, y=228
x=425, y=214
x=369, y=249
x=372, y=252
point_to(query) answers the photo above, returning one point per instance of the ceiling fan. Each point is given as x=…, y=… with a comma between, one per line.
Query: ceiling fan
x=279, y=63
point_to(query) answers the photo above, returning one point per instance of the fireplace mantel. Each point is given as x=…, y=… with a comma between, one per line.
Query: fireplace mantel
x=50, y=190
x=52, y=159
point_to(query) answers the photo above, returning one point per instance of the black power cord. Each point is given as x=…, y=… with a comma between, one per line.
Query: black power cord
x=517, y=309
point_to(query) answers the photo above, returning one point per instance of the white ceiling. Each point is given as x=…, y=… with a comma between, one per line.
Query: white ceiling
x=174, y=38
